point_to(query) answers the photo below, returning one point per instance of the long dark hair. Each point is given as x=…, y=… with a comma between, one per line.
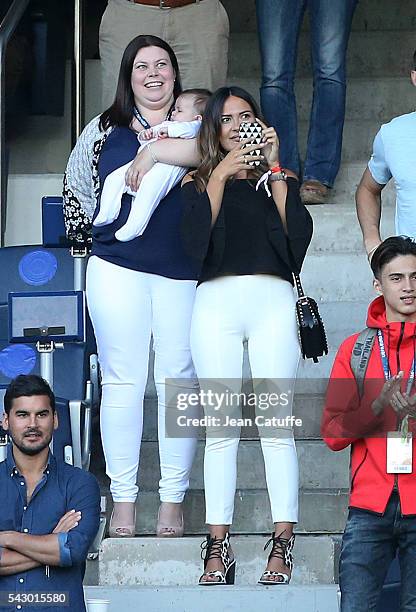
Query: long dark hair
x=209, y=135
x=121, y=111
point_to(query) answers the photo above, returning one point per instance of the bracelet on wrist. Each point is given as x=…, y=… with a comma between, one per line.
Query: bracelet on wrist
x=276, y=173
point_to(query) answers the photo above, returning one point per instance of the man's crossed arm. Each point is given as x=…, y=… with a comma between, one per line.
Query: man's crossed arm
x=20, y=552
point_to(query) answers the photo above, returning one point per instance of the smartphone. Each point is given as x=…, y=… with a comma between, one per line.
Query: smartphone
x=254, y=131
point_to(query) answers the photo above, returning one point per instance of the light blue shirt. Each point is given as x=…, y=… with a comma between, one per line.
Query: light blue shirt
x=394, y=156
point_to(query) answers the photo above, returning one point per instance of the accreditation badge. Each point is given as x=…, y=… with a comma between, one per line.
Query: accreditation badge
x=399, y=453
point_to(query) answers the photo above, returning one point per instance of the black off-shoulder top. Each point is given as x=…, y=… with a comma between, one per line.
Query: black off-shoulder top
x=248, y=236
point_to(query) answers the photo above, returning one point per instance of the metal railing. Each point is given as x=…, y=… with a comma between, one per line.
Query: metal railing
x=7, y=27
x=78, y=80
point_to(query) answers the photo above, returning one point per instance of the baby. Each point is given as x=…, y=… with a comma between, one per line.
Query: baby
x=185, y=123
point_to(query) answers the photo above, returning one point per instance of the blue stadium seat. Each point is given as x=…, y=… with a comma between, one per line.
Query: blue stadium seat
x=53, y=227
x=62, y=438
x=33, y=269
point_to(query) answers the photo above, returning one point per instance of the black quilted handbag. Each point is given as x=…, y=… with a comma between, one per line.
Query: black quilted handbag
x=311, y=329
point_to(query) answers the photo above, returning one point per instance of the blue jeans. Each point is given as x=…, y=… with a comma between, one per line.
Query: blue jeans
x=369, y=545
x=278, y=23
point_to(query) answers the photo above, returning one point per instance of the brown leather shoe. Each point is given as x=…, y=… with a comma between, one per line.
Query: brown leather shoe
x=313, y=192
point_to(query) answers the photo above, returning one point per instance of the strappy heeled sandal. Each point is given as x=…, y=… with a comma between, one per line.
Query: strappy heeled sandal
x=169, y=528
x=217, y=548
x=281, y=549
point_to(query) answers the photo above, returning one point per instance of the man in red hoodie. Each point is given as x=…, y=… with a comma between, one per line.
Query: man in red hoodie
x=377, y=420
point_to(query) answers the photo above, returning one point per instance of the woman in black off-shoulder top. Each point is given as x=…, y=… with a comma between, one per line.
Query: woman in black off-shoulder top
x=247, y=235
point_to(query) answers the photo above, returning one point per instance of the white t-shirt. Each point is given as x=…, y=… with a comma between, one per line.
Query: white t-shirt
x=394, y=156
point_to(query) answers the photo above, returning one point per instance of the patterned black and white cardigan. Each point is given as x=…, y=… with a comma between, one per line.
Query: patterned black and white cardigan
x=81, y=187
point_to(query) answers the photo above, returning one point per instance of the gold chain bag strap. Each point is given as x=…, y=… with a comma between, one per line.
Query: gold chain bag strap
x=312, y=336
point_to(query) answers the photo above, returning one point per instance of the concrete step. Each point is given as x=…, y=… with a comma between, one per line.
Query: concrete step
x=46, y=148
x=357, y=142
x=340, y=207
x=347, y=277
x=372, y=98
x=318, y=373
x=333, y=472
x=24, y=195
x=368, y=16
x=370, y=54
x=307, y=407
x=341, y=319
x=313, y=598
x=154, y=562
x=336, y=228
x=332, y=222
x=348, y=179
x=43, y=143
x=321, y=511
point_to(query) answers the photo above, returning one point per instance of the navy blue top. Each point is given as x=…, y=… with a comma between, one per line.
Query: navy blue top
x=62, y=488
x=159, y=250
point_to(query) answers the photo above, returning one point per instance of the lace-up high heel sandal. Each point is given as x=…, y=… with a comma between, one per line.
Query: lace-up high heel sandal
x=281, y=549
x=216, y=548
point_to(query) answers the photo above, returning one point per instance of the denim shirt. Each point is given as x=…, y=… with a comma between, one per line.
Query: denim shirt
x=62, y=488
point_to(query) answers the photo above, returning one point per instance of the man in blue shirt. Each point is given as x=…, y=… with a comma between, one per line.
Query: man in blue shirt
x=394, y=156
x=50, y=511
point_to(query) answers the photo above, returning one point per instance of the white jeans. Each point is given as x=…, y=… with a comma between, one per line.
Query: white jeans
x=261, y=310
x=126, y=308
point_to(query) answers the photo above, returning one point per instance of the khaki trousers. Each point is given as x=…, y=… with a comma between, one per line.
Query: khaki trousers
x=198, y=34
